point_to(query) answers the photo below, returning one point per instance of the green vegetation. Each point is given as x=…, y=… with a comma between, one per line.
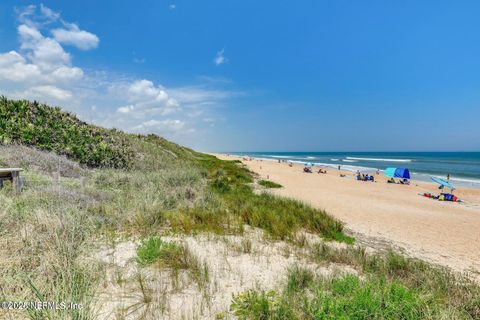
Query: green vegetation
x=269, y=184
x=164, y=254
x=459, y=297
x=281, y=217
x=51, y=129
x=155, y=249
x=345, y=297
x=392, y=287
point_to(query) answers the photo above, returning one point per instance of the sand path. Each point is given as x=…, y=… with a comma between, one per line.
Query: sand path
x=443, y=232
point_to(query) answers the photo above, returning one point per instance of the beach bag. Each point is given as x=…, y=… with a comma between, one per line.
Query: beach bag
x=441, y=197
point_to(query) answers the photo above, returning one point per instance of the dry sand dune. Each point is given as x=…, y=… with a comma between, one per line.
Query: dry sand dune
x=443, y=232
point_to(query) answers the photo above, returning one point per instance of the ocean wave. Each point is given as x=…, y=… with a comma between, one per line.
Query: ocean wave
x=380, y=159
x=459, y=180
x=334, y=159
x=356, y=168
x=473, y=181
x=349, y=160
x=280, y=157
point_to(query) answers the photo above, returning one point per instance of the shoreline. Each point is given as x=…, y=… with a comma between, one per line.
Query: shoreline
x=348, y=164
x=444, y=233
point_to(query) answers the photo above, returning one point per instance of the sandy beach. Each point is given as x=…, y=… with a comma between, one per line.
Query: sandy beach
x=441, y=232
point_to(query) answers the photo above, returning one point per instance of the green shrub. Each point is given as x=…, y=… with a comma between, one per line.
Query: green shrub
x=51, y=129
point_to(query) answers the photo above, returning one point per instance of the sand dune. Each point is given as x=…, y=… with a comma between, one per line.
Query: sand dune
x=443, y=232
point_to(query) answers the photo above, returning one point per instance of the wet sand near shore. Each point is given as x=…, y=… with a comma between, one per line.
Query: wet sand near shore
x=446, y=233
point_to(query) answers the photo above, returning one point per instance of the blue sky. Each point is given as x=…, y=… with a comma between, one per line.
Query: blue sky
x=255, y=75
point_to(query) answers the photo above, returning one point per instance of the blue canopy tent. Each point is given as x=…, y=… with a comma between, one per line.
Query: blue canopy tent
x=443, y=183
x=402, y=173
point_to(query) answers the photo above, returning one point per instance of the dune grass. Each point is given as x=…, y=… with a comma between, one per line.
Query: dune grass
x=164, y=254
x=459, y=296
x=269, y=184
x=347, y=297
x=281, y=217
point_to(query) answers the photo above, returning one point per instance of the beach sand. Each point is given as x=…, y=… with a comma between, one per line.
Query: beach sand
x=445, y=233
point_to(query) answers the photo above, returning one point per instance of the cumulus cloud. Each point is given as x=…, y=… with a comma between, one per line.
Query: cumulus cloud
x=42, y=69
x=220, y=57
x=148, y=99
x=72, y=35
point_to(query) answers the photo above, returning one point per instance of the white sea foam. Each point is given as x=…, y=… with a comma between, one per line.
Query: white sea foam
x=281, y=157
x=380, y=159
x=334, y=159
x=349, y=160
x=310, y=157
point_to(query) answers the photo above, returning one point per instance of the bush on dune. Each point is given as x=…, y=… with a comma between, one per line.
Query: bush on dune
x=51, y=129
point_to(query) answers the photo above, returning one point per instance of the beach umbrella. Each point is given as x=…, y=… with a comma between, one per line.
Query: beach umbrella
x=403, y=173
x=443, y=183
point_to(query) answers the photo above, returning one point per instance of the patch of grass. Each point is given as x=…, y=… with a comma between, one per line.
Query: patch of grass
x=269, y=184
x=170, y=255
x=298, y=280
x=347, y=297
x=281, y=217
x=458, y=296
x=155, y=250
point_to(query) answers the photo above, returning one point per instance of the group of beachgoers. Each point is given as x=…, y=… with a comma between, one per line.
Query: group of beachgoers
x=402, y=181
x=364, y=177
x=308, y=169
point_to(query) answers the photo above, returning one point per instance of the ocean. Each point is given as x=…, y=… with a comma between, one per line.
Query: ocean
x=463, y=167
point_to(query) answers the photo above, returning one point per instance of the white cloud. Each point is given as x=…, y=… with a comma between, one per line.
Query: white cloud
x=148, y=99
x=72, y=35
x=37, y=92
x=14, y=67
x=172, y=7
x=220, y=57
x=49, y=13
x=42, y=69
x=164, y=126
x=126, y=109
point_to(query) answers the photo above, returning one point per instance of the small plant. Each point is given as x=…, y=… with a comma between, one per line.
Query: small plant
x=269, y=184
x=255, y=305
x=154, y=249
x=246, y=245
x=299, y=279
